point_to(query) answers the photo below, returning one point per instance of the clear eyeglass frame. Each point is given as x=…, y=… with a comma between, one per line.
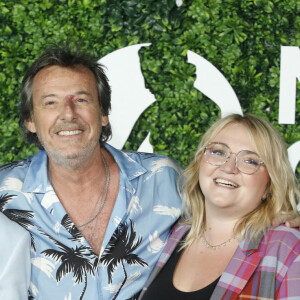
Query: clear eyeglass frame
x=246, y=161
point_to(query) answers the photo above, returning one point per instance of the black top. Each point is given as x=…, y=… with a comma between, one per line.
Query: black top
x=162, y=287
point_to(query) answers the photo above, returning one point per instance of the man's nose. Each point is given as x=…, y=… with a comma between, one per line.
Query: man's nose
x=68, y=110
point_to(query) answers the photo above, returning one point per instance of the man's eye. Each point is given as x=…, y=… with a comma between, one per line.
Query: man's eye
x=81, y=100
x=50, y=103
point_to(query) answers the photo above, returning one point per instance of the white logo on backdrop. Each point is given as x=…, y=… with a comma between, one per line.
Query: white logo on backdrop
x=130, y=96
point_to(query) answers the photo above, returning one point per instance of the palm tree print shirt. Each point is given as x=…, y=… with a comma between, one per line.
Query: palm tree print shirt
x=63, y=265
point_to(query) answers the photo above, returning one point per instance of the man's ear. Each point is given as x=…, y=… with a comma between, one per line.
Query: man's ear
x=30, y=125
x=104, y=120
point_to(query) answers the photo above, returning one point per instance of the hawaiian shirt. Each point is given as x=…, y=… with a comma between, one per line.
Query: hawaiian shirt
x=63, y=265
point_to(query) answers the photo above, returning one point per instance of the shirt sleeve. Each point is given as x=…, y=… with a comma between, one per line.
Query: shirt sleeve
x=290, y=286
x=15, y=261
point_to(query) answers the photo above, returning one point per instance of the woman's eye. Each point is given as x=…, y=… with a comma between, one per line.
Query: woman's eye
x=218, y=152
x=250, y=161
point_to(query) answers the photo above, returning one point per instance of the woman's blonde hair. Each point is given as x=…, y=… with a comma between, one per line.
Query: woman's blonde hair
x=283, y=191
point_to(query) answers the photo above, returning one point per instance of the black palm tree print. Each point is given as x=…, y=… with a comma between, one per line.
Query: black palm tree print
x=71, y=228
x=19, y=216
x=67, y=223
x=77, y=260
x=72, y=260
x=119, y=250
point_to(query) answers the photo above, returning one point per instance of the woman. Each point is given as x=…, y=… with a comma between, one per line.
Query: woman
x=14, y=260
x=239, y=181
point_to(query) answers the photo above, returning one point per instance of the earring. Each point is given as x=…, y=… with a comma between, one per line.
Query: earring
x=265, y=198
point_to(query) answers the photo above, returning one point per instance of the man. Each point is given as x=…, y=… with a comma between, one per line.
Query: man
x=98, y=217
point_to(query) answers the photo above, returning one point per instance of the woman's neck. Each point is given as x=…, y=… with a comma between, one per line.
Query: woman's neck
x=219, y=227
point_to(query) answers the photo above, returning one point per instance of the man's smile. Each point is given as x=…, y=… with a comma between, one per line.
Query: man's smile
x=69, y=132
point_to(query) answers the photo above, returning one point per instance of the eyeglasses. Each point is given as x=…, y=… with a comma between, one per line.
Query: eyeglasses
x=246, y=161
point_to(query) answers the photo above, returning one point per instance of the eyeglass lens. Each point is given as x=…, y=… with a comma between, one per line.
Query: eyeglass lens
x=246, y=161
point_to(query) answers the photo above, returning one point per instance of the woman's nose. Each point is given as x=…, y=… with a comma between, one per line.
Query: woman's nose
x=230, y=165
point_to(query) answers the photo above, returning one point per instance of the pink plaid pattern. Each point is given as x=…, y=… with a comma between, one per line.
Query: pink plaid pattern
x=268, y=268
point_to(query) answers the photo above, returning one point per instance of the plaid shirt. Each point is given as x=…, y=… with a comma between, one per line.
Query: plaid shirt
x=266, y=269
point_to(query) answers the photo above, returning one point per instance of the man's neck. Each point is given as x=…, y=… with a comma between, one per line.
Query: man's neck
x=83, y=174
x=79, y=190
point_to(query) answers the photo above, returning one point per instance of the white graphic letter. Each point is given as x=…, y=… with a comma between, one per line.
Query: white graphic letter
x=294, y=155
x=289, y=72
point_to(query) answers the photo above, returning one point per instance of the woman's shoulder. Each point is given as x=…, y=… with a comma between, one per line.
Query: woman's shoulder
x=285, y=232
x=178, y=231
x=287, y=239
x=181, y=226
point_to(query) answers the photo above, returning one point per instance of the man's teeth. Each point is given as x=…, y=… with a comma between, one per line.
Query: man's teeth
x=225, y=183
x=69, y=132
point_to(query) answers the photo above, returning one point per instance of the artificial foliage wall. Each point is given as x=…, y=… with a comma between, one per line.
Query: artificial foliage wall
x=242, y=38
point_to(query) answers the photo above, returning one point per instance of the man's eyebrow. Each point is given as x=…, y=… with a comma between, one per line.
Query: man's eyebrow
x=48, y=96
x=76, y=93
x=83, y=93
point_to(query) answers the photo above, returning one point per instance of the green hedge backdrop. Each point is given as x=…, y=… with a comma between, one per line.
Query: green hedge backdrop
x=242, y=38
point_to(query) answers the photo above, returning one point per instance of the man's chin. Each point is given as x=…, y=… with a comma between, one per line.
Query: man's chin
x=73, y=158
x=69, y=160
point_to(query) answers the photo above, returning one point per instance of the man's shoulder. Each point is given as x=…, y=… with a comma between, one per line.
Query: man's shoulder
x=144, y=156
x=146, y=160
x=152, y=161
x=15, y=169
x=15, y=164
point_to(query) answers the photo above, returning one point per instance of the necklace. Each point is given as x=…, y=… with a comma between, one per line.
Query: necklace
x=103, y=198
x=107, y=177
x=215, y=247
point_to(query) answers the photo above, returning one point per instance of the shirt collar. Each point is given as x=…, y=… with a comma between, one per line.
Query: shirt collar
x=36, y=179
x=128, y=167
x=250, y=246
